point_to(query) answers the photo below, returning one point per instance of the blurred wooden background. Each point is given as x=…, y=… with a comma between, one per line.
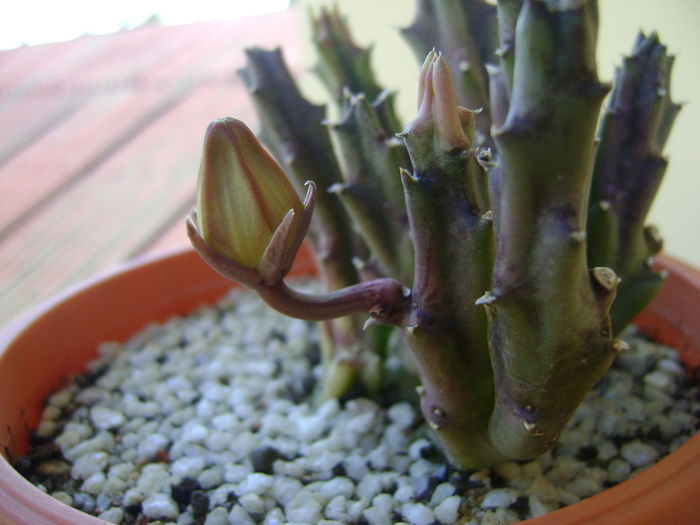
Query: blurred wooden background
x=100, y=139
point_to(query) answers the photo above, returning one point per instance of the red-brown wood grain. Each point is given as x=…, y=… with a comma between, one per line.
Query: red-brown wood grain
x=100, y=140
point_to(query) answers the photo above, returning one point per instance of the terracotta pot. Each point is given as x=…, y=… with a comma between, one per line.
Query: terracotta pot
x=40, y=350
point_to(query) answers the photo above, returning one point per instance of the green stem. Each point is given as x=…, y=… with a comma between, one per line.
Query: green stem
x=549, y=324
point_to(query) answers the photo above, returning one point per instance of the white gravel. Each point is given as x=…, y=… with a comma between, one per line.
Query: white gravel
x=206, y=419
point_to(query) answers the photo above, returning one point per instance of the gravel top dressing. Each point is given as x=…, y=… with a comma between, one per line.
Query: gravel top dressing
x=206, y=419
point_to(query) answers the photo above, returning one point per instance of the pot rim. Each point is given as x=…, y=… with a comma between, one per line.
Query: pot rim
x=674, y=478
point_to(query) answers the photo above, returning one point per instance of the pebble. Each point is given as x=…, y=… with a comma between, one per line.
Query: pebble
x=112, y=515
x=88, y=464
x=63, y=497
x=441, y=492
x=417, y=514
x=151, y=445
x=618, y=470
x=105, y=418
x=639, y=454
x=53, y=467
x=447, y=510
x=303, y=509
x=659, y=379
x=499, y=498
x=94, y=484
x=188, y=467
x=239, y=516
x=218, y=516
x=203, y=433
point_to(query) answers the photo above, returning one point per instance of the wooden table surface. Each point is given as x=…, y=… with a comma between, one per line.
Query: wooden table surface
x=100, y=140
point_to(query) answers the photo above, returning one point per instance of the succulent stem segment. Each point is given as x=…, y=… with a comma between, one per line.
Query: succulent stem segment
x=549, y=326
x=371, y=190
x=629, y=167
x=344, y=67
x=515, y=225
x=447, y=201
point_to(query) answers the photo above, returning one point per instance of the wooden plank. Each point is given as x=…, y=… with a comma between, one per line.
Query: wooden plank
x=45, y=96
x=137, y=193
x=106, y=119
x=19, y=65
x=69, y=151
x=106, y=216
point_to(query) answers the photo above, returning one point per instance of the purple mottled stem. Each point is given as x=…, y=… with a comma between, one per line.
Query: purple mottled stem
x=383, y=299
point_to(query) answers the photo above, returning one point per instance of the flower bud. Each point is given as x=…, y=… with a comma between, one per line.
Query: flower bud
x=438, y=114
x=244, y=197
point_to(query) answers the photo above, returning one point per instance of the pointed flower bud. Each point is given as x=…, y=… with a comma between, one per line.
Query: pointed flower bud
x=247, y=210
x=438, y=112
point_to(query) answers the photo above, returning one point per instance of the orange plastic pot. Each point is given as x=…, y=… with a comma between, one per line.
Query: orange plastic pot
x=39, y=351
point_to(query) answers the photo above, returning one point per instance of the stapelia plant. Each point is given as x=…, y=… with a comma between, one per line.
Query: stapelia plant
x=495, y=238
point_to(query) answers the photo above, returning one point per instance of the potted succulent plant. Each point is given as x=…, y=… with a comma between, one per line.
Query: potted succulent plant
x=507, y=244
x=511, y=255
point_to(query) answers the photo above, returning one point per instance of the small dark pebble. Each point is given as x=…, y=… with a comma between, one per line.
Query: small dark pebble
x=497, y=481
x=299, y=389
x=695, y=375
x=428, y=451
x=313, y=354
x=684, y=383
x=89, y=378
x=23, y=465
x=263, y=459
x=200, y=504
x=654, y=434
x=36, y=440
x=46, y=451
x=463, y=483
x=521, y=506
x=162, y=456
x=276, y=334
x=392, y=487
x=142, y=520
x=338, y=470
x=587, y=453
x=619, y=440
x=182, y=492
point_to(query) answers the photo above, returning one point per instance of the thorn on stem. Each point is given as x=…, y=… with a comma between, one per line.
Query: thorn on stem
x=532, y=429
x=618, y=345
x=606, y=278
x=369, y=322
x=653, y=238
x=578, y=235
x=486, y=299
